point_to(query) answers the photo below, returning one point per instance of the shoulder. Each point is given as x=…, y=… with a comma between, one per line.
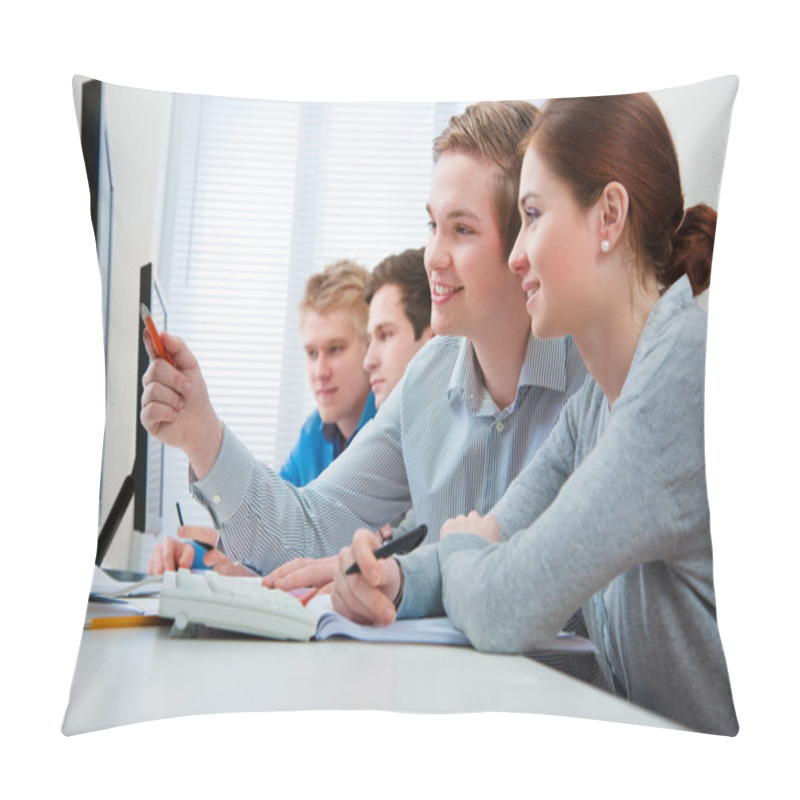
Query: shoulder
x=663, y=399
x=438, y=348
x=435, y=360
x=671, y=354
x=312, y=425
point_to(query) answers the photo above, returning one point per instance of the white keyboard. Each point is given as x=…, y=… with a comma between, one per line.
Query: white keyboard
x=235, y=604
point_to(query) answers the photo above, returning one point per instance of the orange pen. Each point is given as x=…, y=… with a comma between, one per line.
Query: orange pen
x=154, y=334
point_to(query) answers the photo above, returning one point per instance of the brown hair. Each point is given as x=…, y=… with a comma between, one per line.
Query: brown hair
x=493, y=131
x=591, y=141
x=339, y=287
x=405, y=270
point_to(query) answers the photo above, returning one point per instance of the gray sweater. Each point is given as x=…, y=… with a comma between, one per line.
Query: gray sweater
x=611, y=515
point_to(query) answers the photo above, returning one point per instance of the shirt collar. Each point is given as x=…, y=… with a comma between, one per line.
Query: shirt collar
x=544, y=366
x=331, y=432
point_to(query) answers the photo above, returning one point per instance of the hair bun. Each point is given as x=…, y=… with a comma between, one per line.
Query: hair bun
x=692, y=248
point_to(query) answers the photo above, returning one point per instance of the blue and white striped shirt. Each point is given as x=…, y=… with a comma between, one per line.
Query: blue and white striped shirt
x=438, y=444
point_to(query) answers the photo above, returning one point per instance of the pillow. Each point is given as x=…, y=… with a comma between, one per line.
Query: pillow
x=213, y=212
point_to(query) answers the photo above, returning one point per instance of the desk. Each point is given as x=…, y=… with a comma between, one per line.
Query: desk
x=129, y=675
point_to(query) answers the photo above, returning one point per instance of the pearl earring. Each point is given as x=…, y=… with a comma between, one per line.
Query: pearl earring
x=605, y=246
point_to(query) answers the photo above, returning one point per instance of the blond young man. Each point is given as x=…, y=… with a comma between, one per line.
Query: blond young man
x=333, y=323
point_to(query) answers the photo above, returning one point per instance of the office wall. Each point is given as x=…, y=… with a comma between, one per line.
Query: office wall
x=138, y=134
x=698, y=118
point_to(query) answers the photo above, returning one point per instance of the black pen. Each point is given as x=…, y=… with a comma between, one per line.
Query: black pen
x=403, y=544
x=204, y=545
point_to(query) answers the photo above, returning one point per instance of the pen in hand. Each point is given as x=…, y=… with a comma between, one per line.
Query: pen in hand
x=205, y=545
x=395, y=547
x=161, y=351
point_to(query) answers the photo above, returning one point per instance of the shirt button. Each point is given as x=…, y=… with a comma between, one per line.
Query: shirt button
x=500, y=427
x=217, y=499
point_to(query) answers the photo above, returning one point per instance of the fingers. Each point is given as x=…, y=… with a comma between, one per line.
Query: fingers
x=220, y=563
x=366, y=597
x=159, y=406
x=385, y=533
x=355, y=599
x=302, y=572
x=214, y=559
x=181, y=354
x=284, y=570
x=149, y=346
x=165, y=386
x=163, y=397
x=165, y=379
x=200, y=533
x=485, y=527
x=363, y=553
x=170, y=555
x=312, y=593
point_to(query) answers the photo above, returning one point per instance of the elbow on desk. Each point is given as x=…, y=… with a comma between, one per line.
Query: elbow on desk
x=501, y=634
x=495, y=621
x=504, y=640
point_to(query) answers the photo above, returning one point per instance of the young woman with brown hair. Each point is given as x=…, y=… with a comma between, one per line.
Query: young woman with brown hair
x=612, y=513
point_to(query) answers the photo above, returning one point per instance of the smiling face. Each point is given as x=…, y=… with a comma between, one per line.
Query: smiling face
x=334, y=357
x=391, y=341
x=464, y=258
x=555, y=253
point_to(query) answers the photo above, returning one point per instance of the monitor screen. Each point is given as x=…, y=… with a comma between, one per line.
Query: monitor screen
x=148, y=474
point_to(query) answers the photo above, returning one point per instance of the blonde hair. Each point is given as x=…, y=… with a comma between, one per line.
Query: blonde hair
x=494, y=131
x=339, y=287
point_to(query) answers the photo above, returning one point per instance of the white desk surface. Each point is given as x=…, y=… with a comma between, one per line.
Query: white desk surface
x=129, y=675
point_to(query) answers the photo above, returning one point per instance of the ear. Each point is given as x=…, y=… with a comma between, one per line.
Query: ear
x=613, y=205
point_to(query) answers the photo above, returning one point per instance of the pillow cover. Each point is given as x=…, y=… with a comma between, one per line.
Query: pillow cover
x=215, y=211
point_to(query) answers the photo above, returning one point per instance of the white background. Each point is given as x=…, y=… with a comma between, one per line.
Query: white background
x=52, y=385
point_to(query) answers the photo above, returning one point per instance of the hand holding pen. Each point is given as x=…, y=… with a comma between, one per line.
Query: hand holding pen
x=176, y=408
x=155, y=336
x=368, y=595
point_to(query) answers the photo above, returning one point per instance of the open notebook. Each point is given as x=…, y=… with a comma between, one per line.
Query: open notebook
x=429, y=630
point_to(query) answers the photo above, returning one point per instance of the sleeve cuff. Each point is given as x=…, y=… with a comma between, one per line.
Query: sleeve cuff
x=223, y=489
x=423, y=572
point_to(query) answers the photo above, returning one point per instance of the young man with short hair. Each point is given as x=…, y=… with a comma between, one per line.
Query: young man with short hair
x=399, y=298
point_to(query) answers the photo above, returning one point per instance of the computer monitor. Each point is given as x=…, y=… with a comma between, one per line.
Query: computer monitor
x=145, y=484
x=148, y=473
